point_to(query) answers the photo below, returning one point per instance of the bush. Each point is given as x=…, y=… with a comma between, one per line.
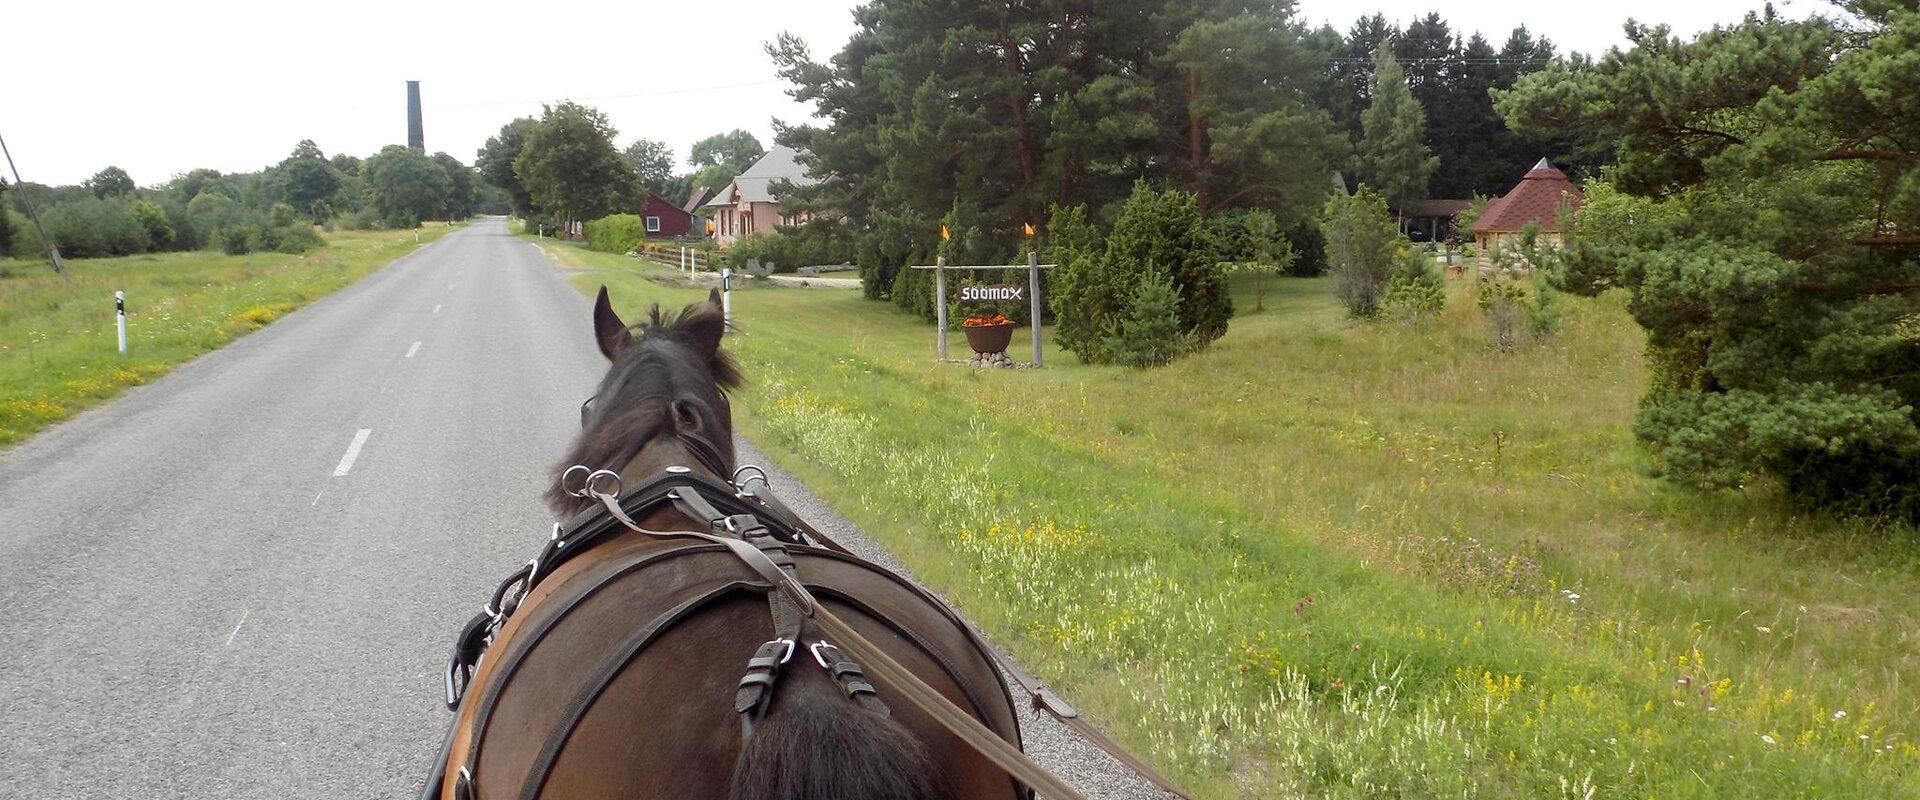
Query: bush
x=1417, y=289
x=1085, y=297
x=1158, y=234
x=26, y=240
x=298, y=237
x=153, y=220
x=1149, y=335
x=236, y=240
x=774, y=247
x=1363, y=249
x=209, y=211
x=91, y=227
x=616, y=233
x=1309, y=248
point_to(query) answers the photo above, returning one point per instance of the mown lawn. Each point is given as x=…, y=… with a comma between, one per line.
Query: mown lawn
x=1327, y=558
x=58, y=353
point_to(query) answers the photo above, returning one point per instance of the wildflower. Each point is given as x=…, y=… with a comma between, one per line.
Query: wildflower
x=1768, y=738
x=1839, y=714
x=1763, y=629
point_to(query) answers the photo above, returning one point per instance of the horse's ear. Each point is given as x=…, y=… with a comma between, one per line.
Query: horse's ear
x=704, y=329
x=615, y=340
x=713, y=296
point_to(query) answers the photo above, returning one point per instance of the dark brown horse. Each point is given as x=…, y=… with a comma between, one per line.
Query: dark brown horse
x=618, y=674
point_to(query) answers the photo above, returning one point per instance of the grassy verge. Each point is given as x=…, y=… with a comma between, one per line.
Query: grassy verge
x=1357, y=560
x=58, y=353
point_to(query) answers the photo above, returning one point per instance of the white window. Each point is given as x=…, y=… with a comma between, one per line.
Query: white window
x=653, y=224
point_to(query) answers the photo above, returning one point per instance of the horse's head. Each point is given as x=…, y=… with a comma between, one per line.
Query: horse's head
x=663, y=401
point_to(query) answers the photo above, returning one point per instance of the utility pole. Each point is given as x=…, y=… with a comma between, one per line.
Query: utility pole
x=53, y=252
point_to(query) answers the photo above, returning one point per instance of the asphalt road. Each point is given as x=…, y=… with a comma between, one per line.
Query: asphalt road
x=240, y=580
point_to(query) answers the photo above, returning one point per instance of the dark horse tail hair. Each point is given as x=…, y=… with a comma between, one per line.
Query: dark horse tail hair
x=825, y=747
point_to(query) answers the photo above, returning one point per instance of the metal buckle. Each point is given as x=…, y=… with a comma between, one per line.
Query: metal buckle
x=786, y=655
x=815, y=649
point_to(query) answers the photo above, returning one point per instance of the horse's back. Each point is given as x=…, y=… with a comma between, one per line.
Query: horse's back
x=617, y=678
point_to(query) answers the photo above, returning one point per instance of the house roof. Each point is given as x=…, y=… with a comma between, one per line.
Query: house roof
x=755, y=184
x=663, y=204
x=1437, y=208
x=1537, y=198
x=695, y=200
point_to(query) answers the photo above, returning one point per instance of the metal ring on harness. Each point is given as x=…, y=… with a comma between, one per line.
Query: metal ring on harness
x=590, y=486
x=567, y=477
x=754, y=468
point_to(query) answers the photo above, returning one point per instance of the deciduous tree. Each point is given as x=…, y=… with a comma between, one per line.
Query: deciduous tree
x=653, y=161
x=405, y=186
x=309, y=181
x=110, y=182
x=736, y=147
x=571, y=168
x=495, y=162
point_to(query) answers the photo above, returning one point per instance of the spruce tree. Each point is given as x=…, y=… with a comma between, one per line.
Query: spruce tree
x=1393, y=157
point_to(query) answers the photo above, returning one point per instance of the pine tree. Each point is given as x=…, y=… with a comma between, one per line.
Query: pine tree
x=1393, y=157
x=1765, y=216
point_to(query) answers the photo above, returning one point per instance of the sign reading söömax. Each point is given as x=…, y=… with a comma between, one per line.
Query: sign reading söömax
x=989, y=292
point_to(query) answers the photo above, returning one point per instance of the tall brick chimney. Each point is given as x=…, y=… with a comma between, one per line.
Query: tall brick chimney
x=416, y=139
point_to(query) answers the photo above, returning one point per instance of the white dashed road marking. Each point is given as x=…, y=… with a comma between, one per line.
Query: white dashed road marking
x=353, y=452
x=236, y=626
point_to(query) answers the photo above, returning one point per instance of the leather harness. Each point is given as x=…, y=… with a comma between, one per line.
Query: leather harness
x=759, y=531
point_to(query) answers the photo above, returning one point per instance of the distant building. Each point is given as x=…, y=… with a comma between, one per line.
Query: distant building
x=1432, y=220
x=1544, y=197
x=748, y=205
x=663, y=218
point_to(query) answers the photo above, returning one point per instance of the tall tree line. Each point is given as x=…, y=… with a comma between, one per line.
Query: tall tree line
x=1452, y=77
x=988, y=114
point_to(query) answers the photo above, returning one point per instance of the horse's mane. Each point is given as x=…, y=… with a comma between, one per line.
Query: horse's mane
x=671, y=382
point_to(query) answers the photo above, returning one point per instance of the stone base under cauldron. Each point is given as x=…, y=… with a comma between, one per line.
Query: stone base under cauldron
x=1000, y=359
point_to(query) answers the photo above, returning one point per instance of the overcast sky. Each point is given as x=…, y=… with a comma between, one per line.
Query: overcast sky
x=160, y=88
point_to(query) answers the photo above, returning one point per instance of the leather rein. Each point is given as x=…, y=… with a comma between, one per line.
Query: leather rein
x=754, y=526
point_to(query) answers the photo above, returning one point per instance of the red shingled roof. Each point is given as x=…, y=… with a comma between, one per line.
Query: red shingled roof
x=1538, y=198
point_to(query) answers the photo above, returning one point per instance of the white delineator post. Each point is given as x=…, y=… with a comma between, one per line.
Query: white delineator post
x=726, y=295
x=120, y=318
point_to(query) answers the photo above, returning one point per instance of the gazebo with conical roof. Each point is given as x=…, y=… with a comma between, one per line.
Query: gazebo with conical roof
x=1544, y=197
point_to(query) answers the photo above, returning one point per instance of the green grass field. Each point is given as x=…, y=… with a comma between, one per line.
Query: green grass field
x=58, y=353
x=1327, y=558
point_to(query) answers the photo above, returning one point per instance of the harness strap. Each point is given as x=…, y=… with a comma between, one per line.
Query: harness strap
x=755, y=694
x=848, y=674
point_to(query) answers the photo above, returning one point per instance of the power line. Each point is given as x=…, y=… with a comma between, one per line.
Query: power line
x=659, y=93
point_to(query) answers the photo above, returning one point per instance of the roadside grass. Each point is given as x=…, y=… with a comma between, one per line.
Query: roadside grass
x=1343, y=559
x=58, y=353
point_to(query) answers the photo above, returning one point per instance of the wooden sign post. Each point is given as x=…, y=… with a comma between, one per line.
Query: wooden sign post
x=988, y=293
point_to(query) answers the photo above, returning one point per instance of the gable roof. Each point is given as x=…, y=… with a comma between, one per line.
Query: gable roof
x=755, y=184
x=1537, y=198
x=695, y=200
x=656, y=204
